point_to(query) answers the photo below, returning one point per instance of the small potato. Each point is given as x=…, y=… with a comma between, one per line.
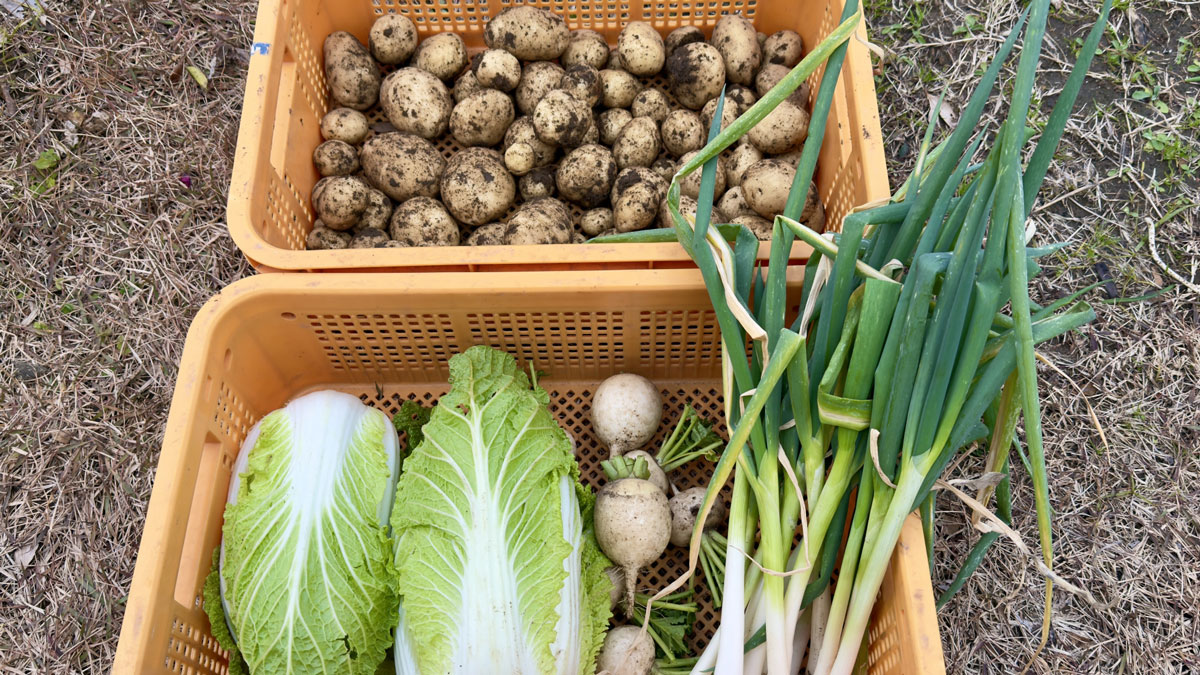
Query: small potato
x=422, y=221
x=345, y=124
x=637, y=144
x=378, y=212
x=443, y=55
x=636, y=195
x=518, y=159
x=665, y=167
x=583, y=82
x=641, y=48
x=784, y=48
x=522, y=131
x=537, y=80
x=741, y=96
x=682, y=132
x=482, y=118
x=651, y=103
x=476, y=188
x=696, y=73
x=687, y=208
x=684, y=35
x=541, y=221
x=586, y=175
x=369, y=237
x=729, y=114
x=614, y=61
x=733, y=203
x=612, y=121
x=791, y=157
x=402, y=165
x=352, y=75
x=393, y=39
x=561, y=119
x=618, y=88
x=321, y=238
x=761, y=37
x=491, y=234
x=766, y=186
x=734, y=36
x=784, y=128
x=335, y=158
x=528, y=33
x=585, y=47
x=538, y=184
x=416, y=102
x=578, y=238
x=690, y=185
x=761, y=227
x=740, y=158
x=465, y=85
x=595, y=221
x=342, y=202
x=497, y=69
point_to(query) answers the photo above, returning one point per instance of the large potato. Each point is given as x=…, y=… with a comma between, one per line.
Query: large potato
x=696, y=73
x=586, y=47
x=416, y=102
x=335, y=158
x=784, y=48
x=651, y=103
x=734, y=36
x=682, y=132
x=393, y=39
x=641, y=49
x=783, y=129
x=345, y=124
x=733, y=203
x=541, y=221
x=618, y=88
x=537, y=80
x=342, y=202
x=444, y=55
x=636, y=196
x=482, y=118
x=476, y=188
x=561, y=119
x=528, y=33
x=497, y=69
x=766, y=187
x=403, y=166
x=583, y=82
x=586, y=175
x=422, y=221
x=611, y=122
x=741, y=157
x=352, y=74
x=637, y=144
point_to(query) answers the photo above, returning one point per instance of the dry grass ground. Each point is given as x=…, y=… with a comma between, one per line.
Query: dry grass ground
x=102, y=268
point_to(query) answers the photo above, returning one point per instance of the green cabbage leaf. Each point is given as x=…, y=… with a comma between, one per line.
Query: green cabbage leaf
x=496, y=565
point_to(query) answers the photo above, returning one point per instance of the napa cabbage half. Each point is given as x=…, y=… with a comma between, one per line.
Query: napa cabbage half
x=497, y=568
x=305, y=569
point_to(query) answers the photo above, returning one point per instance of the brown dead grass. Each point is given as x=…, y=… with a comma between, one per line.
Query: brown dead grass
x=102, y=273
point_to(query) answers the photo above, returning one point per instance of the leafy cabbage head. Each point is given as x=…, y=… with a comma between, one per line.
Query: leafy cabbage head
x=496, y=565
x=306, y=574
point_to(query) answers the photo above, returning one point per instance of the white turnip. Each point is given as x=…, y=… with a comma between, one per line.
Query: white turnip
x=633, y=527
x=627, y=650
x=626, y=410
x=656, y=474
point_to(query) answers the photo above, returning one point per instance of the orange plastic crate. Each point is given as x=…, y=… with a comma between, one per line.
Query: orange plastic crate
x=387, y=338
x=269, y=208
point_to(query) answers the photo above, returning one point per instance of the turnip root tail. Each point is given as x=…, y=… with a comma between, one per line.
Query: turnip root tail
x=631, y=575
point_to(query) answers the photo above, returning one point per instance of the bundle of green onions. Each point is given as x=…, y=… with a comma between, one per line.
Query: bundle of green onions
x=915, y=342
